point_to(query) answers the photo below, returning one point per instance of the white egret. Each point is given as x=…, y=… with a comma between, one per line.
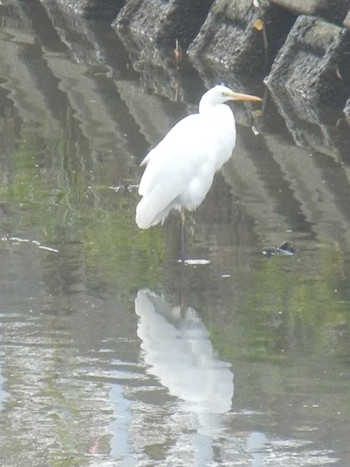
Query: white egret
x=181, y=168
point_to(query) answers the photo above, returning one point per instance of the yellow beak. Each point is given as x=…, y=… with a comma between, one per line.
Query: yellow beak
x=237, y=96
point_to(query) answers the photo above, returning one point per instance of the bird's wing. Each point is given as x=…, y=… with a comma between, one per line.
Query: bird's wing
x=181, y=167
x=172, y=165
x=175, y=157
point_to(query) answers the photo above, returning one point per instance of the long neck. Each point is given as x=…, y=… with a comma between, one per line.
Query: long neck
x=205, y=104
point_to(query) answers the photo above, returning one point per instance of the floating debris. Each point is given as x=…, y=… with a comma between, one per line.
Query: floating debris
x=286, y=249
x=255, y=131
x=47, y=248
x=197, y=262
x=258, y=25
x=177, y=52
x=125, y=188
x=18, y=240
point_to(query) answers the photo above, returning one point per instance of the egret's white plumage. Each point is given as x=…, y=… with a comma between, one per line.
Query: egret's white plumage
x=181, y=168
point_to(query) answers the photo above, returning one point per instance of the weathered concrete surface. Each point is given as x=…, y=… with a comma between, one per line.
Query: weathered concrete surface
x=107, y=9
x=314, y=64
x=318, y=129
x=332, y=10
x=161, y=72
x=232, y=39
x=163, y=22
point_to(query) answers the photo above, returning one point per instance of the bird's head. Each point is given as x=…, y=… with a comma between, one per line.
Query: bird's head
x=220, y=94
x=228, y=95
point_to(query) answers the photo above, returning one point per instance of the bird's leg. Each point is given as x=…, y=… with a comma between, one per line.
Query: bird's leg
x=182, y=222
x=182, y=290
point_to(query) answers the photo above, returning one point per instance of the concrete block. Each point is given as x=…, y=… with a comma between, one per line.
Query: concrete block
x=163, y=22
x=231, y=39
x=313, y=65
x=318, y=185
x=332, y=10
x=319, y=129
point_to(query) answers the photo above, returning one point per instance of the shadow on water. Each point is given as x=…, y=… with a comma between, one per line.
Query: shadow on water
x=113, y=353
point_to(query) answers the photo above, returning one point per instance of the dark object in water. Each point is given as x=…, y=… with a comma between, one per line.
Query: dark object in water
x=286, y=249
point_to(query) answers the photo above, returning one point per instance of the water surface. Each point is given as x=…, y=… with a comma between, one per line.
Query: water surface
x=111, y=352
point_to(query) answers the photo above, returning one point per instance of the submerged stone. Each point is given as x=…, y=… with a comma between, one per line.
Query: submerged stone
x=313, y=64
x=317, y=128
x=286, y=249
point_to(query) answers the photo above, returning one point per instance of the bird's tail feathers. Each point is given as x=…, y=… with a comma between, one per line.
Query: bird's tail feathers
x=149, y=212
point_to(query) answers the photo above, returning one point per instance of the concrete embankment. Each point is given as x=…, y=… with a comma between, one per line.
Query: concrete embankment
x=301, y=47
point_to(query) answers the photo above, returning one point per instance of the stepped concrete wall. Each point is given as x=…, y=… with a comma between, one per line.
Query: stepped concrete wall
x=293, y=44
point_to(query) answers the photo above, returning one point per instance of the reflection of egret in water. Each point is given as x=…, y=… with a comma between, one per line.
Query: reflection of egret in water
x=193, y=430
x=178, y=350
